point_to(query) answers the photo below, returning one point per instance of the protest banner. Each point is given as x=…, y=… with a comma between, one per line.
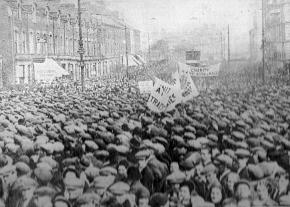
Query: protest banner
x=159, y=96
x=183, y=69
x=207, y=71
x=189, y=89
x=175, y=95
x=145, y=86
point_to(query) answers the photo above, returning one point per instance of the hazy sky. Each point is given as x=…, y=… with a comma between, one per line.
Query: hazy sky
x=175, y=15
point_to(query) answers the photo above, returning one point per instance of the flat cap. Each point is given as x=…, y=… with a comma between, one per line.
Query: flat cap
x=158, y=200
x=119, y=188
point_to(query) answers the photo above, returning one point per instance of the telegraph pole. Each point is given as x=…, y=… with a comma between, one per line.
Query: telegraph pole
x=263, y=42
x=229, y=50
x=222, y=53
x=127, y=63
x=149, y=52
x=81, y=46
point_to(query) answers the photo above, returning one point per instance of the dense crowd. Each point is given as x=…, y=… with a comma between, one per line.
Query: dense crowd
x=103, y=147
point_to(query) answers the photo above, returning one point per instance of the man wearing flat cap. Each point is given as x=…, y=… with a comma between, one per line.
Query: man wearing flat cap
x=205, y=153
x=242, y=190
x=74, y=184
x=243, y=157
x=159, y=200
x=210, y=172
x=8, y=175
x=42, y=197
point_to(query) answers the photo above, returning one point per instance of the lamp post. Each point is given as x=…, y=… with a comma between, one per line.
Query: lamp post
x=263, y=41
x=126, y=45
x=81, y=46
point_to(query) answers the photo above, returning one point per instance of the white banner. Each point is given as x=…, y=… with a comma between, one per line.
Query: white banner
x=183, y=69
x=189, y=90
x=175, y=96
x=145, y=86
x=159, y=97
x=208, y=71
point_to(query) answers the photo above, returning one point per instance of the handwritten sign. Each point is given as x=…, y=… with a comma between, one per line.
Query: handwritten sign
x=159, y=97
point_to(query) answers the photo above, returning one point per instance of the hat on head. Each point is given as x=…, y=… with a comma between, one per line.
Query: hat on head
x=240, y=182
x=88, y=198
x=61, y=198
x=242, y=153
x=108, y=171
x=158, y=199
x=209, y=169
x=44, y=190
x=143, y=154
x=23, y=183
x=92, y=172
x=103, y=182
x=176, y=177
x=22, y=168
x=119, y=188
x=43, y=172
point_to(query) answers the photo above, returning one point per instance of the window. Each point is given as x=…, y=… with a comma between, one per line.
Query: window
x=31, y=43
x=19, y=11
x=24, y=42
x=38, y=44
x=34, y=18
x=16, y=41
x=50, y=44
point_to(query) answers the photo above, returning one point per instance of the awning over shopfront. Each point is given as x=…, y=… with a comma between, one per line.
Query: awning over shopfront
x=48, y=71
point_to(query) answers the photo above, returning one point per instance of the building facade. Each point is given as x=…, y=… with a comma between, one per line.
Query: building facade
x=255, y=34
x=32, y=31
x=277, y=33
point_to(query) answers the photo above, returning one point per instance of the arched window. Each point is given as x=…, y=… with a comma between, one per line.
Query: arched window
x=16, y=41
x=38, y=44
x=50, y=44
x=31, y=42
x=24, y=42
x=34, y=18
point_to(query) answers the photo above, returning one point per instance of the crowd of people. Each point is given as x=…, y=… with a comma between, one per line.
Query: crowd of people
x=62, y=147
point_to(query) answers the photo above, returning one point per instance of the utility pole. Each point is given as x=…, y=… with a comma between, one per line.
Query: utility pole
x=229, y=50
x=53, y=34
x=81, y=46
x=53, y=16
x=263, y=42
x=222, y=52
x=127, y=63
x=149, y=49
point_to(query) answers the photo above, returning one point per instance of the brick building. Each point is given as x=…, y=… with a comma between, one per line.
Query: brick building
x=33, y=30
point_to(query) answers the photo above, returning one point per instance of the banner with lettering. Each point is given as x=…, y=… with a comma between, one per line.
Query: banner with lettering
x=207, y=71
x=175, y=95
x=159, y=96
x=189, y=89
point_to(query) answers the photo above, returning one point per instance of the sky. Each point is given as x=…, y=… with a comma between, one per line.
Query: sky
x=180, y=15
